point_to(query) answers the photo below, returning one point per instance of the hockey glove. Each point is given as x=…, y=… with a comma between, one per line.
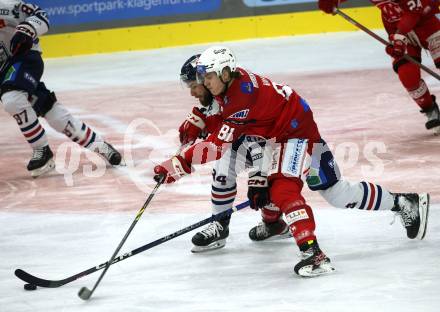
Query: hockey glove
x=328, y=5
x=397, y=46
x=192, y=127
x=172, y=169
x=23, y=39
x=258, y=192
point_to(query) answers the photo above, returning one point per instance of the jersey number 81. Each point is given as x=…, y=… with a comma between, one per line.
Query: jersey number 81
x=226, y=133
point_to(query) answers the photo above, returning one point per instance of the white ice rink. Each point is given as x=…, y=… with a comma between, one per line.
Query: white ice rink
x=54, y=230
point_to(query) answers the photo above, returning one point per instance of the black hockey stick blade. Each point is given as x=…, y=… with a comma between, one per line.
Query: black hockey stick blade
x=84, y=293
x=40, y=282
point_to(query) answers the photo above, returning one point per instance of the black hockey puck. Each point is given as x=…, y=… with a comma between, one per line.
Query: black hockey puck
x=30, y=286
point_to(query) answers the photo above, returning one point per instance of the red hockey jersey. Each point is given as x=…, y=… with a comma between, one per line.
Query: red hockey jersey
x=404, y=15
x=254, y=105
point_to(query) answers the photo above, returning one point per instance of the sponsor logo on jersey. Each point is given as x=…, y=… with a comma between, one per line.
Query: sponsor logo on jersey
x=295, y=159
x=4, y=12
x=253, y=79
x=331, y=163
x=32, y=80
x=294, y=123
x=240, y=114
x=12, y=72
x=247, y=87
x=296, y=216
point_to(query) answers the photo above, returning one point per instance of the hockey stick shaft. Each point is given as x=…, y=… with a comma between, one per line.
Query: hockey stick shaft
x=84, y=292
x=31, y=279
x=385, y=42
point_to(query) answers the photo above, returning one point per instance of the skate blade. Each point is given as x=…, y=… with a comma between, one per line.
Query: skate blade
x=275, y=237
x=45, y=169
x=213, y=246
x=323, y=269
x=424, y=212
x=285, y=235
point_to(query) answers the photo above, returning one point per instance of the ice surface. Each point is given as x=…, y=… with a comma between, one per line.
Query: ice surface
x=60, y=225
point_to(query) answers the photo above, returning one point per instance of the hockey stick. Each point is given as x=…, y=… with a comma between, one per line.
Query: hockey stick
x=31, y=279
x=85, y=293
x=380, y=39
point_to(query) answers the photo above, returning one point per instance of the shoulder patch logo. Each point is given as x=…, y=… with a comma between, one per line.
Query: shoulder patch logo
x=247, y=87
x=240, y=114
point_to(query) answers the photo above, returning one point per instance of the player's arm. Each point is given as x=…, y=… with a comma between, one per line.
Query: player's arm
x=198, y=124
x=328, y=6
x=411, y=15
x=35, y=24
x=203, y=152
x=192, y=127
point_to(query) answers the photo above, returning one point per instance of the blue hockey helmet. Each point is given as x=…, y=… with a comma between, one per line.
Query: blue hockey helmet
x=189, y=70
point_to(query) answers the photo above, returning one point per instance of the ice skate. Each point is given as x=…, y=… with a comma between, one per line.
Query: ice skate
x=211, y=238
x=314, y=262
x=264, y=231
x=107, y=151
x=413, y=210
x=433, y=115
x=41, y=161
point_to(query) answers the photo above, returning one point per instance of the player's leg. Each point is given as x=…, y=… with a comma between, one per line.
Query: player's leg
x=324, y=177
x=18, y=81
x=410, y=77
x=286, y=194
x=224, y=190
x=289, y=165
x=259, y=154
x=271, y=226
x=430, y=39
x=60, y=119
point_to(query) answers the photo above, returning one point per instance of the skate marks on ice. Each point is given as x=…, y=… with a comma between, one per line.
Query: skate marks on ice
x=145, y=135
x=377, y=267
x=374, y=129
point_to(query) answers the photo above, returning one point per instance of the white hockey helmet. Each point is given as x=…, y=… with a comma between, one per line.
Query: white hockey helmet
x=215, y=59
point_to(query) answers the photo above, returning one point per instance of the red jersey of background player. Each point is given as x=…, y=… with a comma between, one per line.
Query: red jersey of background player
x=254, y=105
x=402, y=16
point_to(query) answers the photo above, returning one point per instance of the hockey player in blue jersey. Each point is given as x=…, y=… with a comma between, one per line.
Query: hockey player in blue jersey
x=26, y=98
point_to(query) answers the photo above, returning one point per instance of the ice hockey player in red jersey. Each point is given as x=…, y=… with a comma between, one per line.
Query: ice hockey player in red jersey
x=254, y=105
x=25, y=97
x=412, y=25
x=203, y=120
